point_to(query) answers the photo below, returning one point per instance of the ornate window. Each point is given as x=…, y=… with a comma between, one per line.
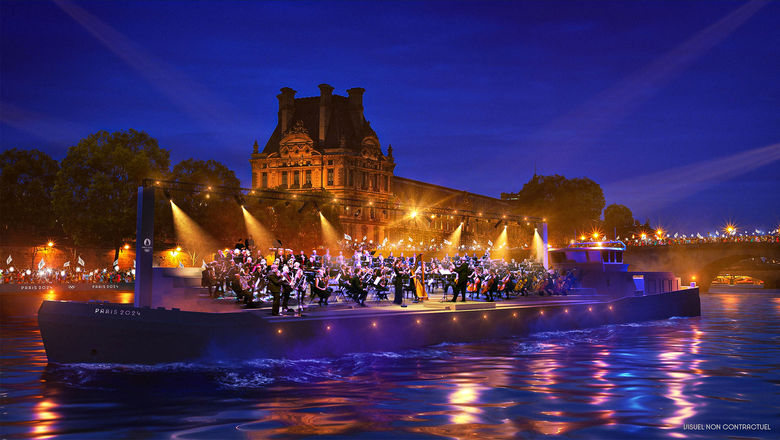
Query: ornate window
x=330, y=176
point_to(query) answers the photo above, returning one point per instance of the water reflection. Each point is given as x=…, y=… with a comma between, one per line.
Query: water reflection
x=622, y=381
x=464, y=399
x=45, y=416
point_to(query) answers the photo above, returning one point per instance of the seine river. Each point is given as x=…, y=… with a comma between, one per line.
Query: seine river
x=680, y=378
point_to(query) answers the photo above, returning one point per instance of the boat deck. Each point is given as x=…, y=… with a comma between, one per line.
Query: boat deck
x=377, y=308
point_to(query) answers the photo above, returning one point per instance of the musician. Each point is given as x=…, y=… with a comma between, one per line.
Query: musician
x=409, y=279
x=287, y=283
x=398, y=283
x=239, y=285
x=508, y=284
x=463, y=272
x=492, y=285
x=208, y=279
x=356, y=289
x=275, y=287
x=299, y=283
x=320, y=287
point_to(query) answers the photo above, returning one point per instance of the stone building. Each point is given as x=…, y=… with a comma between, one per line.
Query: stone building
x=326, y=143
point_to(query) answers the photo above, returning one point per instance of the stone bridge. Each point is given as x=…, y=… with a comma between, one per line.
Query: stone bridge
x=702, y=261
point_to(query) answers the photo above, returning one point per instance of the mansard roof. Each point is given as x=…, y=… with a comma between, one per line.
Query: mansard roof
x=341, y=126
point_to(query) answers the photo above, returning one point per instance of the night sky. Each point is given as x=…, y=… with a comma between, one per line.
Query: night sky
x=673, y=107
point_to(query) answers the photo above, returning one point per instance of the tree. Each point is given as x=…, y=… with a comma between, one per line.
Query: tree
x=26, y=179
x=217, y=211
x=569, y=205
x=96, y=190
x=618, y=220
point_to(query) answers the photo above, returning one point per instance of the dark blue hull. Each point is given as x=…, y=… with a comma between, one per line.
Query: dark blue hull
x=77, y=332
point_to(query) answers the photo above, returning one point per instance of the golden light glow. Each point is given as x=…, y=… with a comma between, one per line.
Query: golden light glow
x=413, y=214
x=50, y=244
x=192, y=237
x=127, y=246
x=259, y=233
x=730, y=228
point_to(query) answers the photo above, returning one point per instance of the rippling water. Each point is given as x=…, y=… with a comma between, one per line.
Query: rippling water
x=618, y=381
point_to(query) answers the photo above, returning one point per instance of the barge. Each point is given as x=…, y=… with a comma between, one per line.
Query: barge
x=606, y=293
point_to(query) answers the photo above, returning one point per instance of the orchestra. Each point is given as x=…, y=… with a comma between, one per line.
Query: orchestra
x=253, y=279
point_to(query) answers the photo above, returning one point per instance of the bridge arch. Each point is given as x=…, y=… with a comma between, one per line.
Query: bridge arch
x=704, y=261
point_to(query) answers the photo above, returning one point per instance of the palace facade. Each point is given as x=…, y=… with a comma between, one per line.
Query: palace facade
x=325, y=143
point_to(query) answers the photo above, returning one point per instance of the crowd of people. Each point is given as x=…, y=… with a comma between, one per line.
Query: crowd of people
x=677, y=239
x=253, y=277
x=11, y=275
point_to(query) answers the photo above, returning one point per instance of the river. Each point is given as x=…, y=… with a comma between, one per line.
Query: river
x=685, y=378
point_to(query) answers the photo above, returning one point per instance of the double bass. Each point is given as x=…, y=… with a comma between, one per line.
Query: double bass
x=472, y=286
x=489, y=280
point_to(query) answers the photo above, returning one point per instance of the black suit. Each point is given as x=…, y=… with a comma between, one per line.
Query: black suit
x=275, y=287
x=399, y=286
x=463, y=272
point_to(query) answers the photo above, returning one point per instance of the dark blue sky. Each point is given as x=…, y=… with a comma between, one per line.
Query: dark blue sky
x=673, y=107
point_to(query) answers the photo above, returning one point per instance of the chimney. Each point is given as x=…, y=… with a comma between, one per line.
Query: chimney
x=355, y=102
x=326, y=96
x=286, y=107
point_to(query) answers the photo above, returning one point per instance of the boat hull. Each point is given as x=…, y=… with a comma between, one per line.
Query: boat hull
x=94, y=332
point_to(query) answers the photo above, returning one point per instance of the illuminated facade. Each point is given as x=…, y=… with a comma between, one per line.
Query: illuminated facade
x=326, y=143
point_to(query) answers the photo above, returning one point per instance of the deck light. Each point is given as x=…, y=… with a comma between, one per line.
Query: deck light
x=610, y=307
x=373, y=324
x=327, y=328
x=279, y=331
x=590, y=309
x=565, y=310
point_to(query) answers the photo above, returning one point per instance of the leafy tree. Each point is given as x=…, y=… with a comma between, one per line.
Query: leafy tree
x=618, y=220
x=26, y=179
x=216, y=211
x=569, y=205
x=96, y=190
